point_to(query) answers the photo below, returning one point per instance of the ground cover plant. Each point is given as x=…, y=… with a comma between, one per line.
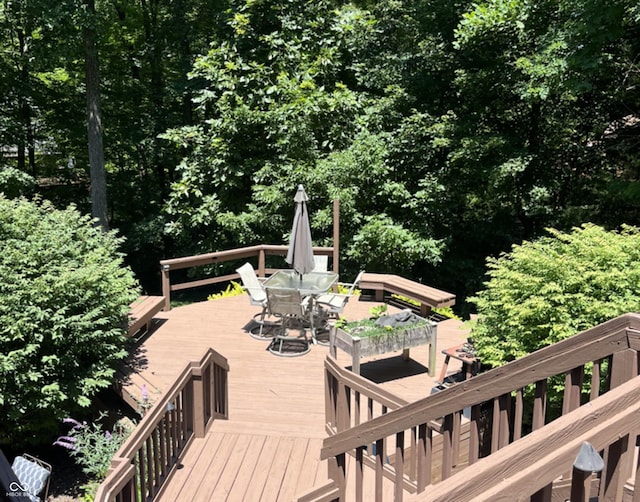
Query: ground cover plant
x=64, y=299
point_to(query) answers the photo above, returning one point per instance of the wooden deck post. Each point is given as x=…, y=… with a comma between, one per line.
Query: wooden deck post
x=343, y=420
x=337, y=472
x=166, y=287
x=336, y=236
x=261, y=263
x=197, y=406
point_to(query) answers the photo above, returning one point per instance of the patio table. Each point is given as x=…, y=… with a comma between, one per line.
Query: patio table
x=310, y=286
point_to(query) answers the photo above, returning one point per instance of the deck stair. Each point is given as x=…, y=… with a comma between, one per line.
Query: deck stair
x=511, y=448
x=138, y=390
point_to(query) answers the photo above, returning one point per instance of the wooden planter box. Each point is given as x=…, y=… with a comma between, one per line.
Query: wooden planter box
x=398, y=339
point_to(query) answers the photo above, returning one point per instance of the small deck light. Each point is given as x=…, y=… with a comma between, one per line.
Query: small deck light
x=170, y=407
x=586, y=463
x=588, y=459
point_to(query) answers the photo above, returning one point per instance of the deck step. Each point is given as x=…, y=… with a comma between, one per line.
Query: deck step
x=133, y=387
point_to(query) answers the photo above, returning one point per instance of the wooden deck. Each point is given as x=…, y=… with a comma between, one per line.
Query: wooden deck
x=269, y=448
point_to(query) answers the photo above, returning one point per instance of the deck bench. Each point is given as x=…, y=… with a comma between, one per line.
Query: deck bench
x=427, y=296
x=142, y=312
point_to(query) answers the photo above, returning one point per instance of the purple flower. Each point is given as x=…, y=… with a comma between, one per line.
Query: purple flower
x=145, y=394
x=76, y=424
x=107, y=434
x=66, y=442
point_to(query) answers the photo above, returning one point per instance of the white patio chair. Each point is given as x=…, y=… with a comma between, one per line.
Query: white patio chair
x=322, y=263
x=332, y=304
x=293, y=311
x=257, y=297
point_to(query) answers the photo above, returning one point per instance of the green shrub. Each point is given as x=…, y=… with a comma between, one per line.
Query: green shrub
x=14, y=182
x=548, y=290
x=233, y=289
x=64, y=299
x=545, y=291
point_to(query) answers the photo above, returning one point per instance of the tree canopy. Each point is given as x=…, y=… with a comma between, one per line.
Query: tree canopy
x=449, y=130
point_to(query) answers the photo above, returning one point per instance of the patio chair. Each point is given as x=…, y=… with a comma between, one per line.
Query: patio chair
x=33, y=475
x=289, y=306
x=257, y=297
x=322, y=263
x=332, y=304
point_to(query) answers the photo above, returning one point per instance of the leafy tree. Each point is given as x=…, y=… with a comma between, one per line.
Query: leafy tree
x=272, y=104
x=286, y=78
x=64, y=299
x=546, y=290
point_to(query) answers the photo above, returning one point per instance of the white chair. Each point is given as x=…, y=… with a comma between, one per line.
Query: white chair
x=257, y=297
x=321, y=263
x=332, y=304
x=289, y=306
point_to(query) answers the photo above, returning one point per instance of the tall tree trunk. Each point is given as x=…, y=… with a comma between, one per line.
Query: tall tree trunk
x=156, y=88
x=94, y=122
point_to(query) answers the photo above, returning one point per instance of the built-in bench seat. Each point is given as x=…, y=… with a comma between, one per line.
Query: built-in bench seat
x=142, y=312
x=427, y=296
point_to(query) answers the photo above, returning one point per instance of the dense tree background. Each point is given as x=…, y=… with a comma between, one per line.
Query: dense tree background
x=449, y=130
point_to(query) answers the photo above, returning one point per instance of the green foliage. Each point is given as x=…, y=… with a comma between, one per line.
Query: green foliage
x=64, y=299
x=273, y=81
x=382, y=245
x=378, y=310
x=549, y=289
x=368, y=328
x=344, y=290
x=14, y=183
x=93, y=448
x=406, y=299
x=233, y=289
x=448, y=129
x=446, y=312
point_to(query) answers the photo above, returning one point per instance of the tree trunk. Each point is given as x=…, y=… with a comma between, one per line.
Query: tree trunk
x=94, y=123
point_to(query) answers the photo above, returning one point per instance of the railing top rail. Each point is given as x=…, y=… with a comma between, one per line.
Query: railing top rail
x=232, y=254
x=535, y=460
x=155, y=414
x=593, y=344
x=360, y=384
x=117, y=479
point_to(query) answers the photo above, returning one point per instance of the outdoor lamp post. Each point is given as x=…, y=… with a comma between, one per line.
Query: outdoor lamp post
x=587, y=462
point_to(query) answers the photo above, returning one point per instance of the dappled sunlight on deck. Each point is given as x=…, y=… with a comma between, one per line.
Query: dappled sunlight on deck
x=271, y=443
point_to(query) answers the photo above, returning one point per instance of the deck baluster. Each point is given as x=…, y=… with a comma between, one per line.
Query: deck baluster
x=399, y=467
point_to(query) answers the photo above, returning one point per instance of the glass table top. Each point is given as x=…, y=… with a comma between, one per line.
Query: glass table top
x=312, y=283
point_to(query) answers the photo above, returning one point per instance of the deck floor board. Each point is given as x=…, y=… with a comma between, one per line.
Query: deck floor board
x=274, y=433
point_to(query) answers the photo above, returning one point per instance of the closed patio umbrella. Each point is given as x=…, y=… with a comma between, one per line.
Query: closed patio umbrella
x=300, y=254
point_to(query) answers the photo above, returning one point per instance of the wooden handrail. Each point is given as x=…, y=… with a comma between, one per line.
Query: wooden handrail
x=595, y=343
x=149, y=455
x=493, y=402
x=259, y=253
x=535, y=461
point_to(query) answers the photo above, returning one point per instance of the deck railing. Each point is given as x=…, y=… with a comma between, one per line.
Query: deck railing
x=255, y=254
x=497, y=410
x=610, y=424
x=148, y=457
